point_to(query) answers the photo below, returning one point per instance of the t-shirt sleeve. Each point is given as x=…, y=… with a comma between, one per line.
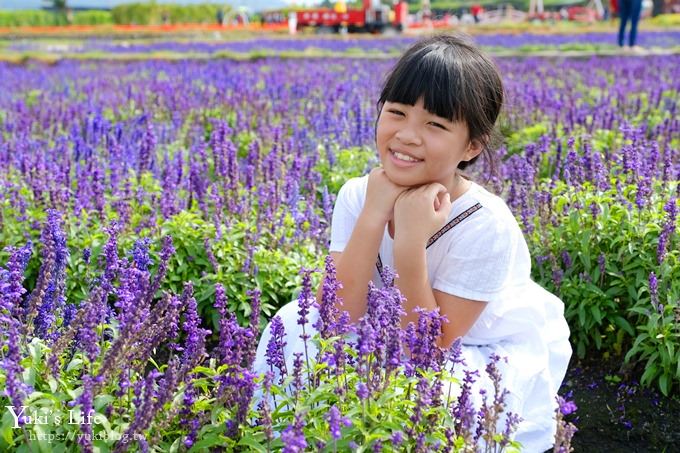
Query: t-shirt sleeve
x=348, y=205
x=478, y=262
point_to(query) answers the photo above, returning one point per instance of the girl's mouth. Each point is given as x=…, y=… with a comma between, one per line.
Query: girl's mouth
x=403, y=160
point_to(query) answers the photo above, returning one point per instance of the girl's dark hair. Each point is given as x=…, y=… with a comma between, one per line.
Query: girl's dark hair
x=456, y=81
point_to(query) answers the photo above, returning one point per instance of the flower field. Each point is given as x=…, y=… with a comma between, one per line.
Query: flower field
x=666, y=39
x=156, y=214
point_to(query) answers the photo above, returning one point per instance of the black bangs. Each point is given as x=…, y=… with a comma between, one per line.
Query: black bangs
x=430, y=73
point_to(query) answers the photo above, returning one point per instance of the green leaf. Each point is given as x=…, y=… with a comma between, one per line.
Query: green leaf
x=75, y=364
x=249, y=441
x=209, y=440
x=648, y=375
x=624, y=324
x=664, y=384
x=7, y=428
x=597, y=314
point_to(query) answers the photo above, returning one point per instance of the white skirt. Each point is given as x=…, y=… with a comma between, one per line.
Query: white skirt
x=532, y=374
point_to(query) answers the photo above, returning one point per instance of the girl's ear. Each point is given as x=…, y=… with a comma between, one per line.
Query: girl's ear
x=475, y=147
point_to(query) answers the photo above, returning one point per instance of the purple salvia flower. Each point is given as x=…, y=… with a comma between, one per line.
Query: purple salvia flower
x=221, y=307
x=87, y=337
x=149, y=402
x=512, y=421
x=194, y=348
x=140, y=254
x=305, y=299
x=189, y=421
x=653, y=290
x=425, y=351
x=251, y=346
x=327, y=202
x=112, y=260
x=132, y=304
x=362, y=391
x=565, y=431
x=242, y=387
x=297, y=372
x=167, y=251
x=293, y=436
x=557, y=276
x=463, y=412
x=147, y=150
x=265, y=410
x=335, y=419
x=275, y=348
x=15, y=388
x=566, y=407
x=423, y=401
x=595, y=210
x=566, y=260
x=86, y=402
x=668, y=229
x=47, y=299
x=397, y=438
x=11, y=281
x=330, y=302
x=601, y=263
x=211, y=256
x=70, y=311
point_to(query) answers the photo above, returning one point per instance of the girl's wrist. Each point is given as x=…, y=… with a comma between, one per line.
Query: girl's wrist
x=371, y=220
x=409, y=256
x=405, y=245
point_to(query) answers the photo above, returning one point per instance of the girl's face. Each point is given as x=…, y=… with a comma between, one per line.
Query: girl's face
x=417, y=147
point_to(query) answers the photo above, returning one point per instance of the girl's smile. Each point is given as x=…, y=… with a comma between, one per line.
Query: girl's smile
x=403, y=160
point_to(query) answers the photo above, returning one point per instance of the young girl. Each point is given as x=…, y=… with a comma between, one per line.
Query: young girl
x=455, y=246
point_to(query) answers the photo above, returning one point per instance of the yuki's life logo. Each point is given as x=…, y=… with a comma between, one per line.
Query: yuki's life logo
x=37, y=417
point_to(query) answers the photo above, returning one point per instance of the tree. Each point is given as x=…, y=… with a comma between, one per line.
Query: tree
x=61, y=10
x=57, y=5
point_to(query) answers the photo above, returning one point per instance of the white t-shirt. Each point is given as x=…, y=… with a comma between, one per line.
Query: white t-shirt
x=483, y=258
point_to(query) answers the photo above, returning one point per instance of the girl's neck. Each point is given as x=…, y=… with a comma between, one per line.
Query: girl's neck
x=460, y=185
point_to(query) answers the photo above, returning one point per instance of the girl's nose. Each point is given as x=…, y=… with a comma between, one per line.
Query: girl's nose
x=408, y=136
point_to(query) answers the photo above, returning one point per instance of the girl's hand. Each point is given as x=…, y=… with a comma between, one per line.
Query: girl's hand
x=420, y=212
x=381, y=195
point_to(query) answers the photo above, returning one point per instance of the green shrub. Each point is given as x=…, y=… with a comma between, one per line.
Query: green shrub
x=155, y=14
x=29, y=18
x=92, y=18
x=665, y=20
x=597, y=252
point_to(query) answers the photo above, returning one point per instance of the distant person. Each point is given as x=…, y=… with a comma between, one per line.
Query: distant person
x=629, y=10
x=220, y=17
x=614, y=8
x=564, y=13
x=476, y=11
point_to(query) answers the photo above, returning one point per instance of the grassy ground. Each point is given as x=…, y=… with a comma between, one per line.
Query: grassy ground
x=571, y=51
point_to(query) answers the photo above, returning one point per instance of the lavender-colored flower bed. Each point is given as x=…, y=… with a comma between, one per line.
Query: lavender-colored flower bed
x=663, y=39
x=238, y=162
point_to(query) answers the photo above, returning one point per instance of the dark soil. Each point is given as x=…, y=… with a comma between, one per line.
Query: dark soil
x=616, y=414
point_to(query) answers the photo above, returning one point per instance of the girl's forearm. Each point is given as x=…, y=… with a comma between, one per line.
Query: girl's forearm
x=357, y=263
x=410, y=263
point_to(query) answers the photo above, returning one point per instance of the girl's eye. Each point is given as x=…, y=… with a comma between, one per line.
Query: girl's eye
x=441, y=126
x=396, y=112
